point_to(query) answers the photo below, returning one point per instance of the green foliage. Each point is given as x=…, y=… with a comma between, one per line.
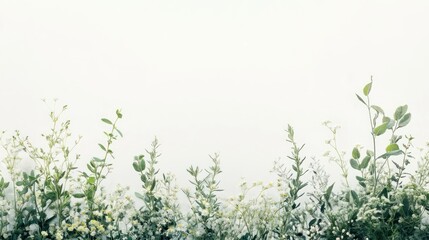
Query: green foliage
x=158, y=217
x=378, y=198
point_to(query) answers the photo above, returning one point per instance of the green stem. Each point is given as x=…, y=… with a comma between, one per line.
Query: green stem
x=373, y=143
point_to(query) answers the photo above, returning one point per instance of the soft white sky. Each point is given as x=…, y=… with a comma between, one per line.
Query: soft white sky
x=212, y=76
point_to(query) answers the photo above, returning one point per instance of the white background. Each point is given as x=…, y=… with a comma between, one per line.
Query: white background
x=213, y=76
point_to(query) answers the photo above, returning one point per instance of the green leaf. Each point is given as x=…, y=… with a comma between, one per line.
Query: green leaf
x=380, y=129
x=383, y=193
x=138, y=195
x=328, y=192
x=354, y=164
x=360, y=179
x=153, y=185
x=390, y=122
x=312, y=222
x=136, y=167
x=365, y=162
x=355, y=197
x=367, y=89
x=143, y=178
x=119, y=132
x=397, y=165
x=386, y=119
x=405, y=120
x=360, y=99
x=142, y=164
x=378, y=109
x=392, y=147
x=96, y=159
x=106, y=121
x=102, y=147
x=355, y=153
x=90, y=168
x=392, y=153
x=406, y=206
x=78, y=195
x=400, y=111
x=118, y=113
x=91, y=180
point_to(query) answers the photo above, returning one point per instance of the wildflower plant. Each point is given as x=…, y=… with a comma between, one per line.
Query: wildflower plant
x=206, y=220
x=253, y=217
x=159, y=217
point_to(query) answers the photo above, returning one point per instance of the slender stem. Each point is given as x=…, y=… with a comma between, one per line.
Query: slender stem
x=373, y=143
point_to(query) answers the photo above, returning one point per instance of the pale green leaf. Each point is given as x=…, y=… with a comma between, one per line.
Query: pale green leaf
x=380, y=129
x=392, y=147
x=400, y=111
x=405, y=120
x=367, y=89
x=106, y=121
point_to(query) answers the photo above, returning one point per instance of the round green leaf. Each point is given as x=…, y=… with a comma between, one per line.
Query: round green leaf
x=367, y=89
x=136, y=167
x=400, y=111
x=392, y=147
x=355, y=153
x=405, y=120
x=365, y=162
x=354, y=164
x=380, y=129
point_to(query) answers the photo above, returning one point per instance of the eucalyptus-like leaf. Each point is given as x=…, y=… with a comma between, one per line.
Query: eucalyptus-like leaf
x=355, y=153
x=392, y=153
x=392, y=147
x=365, y=162
x=136, y=167
x=390, y=122
x=367, y=89
x=354, y=164
x=143, y=178
x=380, y=129
x=400, y=112
x=378, y=109
x=360, y=179
x=405, y=120
x=142, y=164
x=355, y=197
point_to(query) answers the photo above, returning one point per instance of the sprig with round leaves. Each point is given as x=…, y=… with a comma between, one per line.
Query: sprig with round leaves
x=160, y=213
x=400, y=119
x=148, y=177
x=99, y=168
